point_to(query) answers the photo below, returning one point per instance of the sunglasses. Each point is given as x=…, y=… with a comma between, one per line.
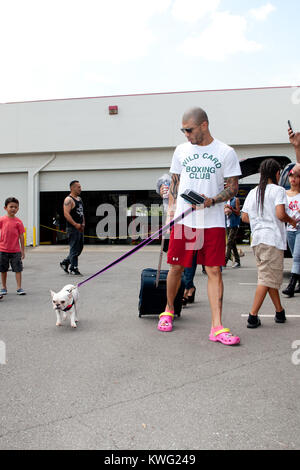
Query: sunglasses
x=187, y=130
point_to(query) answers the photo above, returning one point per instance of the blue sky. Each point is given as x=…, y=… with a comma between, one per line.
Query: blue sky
x=78, y=48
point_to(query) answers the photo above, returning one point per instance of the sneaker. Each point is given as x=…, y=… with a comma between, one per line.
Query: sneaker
x=253, y=321
x=75, y=271
x=21, y=292
x=3, y=291
x=64, y=265
x=236, y=265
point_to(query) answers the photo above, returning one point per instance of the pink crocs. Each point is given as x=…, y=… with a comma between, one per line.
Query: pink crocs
x=165, y=321
x=225, y=337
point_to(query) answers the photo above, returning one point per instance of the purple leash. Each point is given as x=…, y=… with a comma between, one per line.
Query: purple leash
x=148, y=240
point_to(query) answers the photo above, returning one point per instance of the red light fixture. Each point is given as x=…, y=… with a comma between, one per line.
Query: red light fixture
x=113, y=109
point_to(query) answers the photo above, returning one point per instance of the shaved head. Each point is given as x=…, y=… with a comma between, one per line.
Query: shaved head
x=198, y=115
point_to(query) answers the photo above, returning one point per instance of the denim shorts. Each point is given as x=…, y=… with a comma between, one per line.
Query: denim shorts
x=12, y=259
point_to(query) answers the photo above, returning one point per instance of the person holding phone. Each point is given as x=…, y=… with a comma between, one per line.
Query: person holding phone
x=293, y=233
x=294, y=140
x=201, y=164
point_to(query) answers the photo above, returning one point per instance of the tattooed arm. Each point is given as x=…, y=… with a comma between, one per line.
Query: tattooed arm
x=231, y=190
x=68, y=206
x=173, y=193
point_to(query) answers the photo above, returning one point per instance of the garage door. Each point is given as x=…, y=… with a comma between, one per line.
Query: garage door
x=102, y=180
x=14, y=185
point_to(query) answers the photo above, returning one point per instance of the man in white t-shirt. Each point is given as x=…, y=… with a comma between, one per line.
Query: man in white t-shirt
x=201, y=164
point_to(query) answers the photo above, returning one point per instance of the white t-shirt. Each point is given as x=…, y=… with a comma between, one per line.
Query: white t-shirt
x=203, y=169
x=293, y=206
x=266, y=227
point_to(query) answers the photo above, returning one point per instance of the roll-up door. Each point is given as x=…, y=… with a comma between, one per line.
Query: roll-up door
x=14, y=185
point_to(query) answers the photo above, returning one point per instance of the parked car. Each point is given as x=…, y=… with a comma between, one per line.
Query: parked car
x=284, y=177
x=250, y=166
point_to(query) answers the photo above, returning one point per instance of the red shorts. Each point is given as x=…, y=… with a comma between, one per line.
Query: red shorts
x=209, y=242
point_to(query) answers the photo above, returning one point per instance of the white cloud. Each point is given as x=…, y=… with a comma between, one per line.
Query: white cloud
x=263, y=12
x=225, y=36
x=63, y=30
x=193, y=10
x=52, y=38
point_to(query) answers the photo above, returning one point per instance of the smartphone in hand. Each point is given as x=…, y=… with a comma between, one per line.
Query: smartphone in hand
x=290, y=126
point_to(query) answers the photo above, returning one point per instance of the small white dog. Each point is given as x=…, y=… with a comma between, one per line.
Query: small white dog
x=64, y=302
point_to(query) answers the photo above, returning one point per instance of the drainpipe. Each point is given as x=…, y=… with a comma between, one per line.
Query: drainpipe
x=33, y=230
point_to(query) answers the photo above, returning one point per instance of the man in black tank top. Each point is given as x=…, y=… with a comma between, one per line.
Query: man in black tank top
x=73, y=212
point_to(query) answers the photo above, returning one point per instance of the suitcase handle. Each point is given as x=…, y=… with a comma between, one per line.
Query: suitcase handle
x=159, y=261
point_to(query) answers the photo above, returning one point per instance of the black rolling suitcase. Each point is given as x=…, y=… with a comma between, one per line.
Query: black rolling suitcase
x=153, y=291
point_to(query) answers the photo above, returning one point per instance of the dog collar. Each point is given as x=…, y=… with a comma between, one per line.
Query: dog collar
x=68, y=307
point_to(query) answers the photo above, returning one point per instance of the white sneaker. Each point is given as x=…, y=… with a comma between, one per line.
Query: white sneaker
x=236, y=265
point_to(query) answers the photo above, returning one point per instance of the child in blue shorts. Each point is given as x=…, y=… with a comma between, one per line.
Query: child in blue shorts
x=12, y=250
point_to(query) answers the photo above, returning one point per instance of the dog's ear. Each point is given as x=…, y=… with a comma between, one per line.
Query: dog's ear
x=52, y=293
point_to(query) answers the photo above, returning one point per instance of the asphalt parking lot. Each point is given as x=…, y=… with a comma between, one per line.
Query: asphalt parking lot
x=117, y=383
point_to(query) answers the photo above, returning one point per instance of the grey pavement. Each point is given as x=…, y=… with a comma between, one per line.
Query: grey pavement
x=117, y=383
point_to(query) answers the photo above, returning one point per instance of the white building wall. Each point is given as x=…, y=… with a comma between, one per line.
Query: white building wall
x=239, y=117
x=15, y=185
x=43, y=145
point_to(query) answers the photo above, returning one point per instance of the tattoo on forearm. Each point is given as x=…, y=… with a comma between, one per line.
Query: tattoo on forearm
x=229, y=191
x=174, y=186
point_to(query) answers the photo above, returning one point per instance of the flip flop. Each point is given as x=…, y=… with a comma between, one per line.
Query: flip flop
x=165, y=322
x=225, y=337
